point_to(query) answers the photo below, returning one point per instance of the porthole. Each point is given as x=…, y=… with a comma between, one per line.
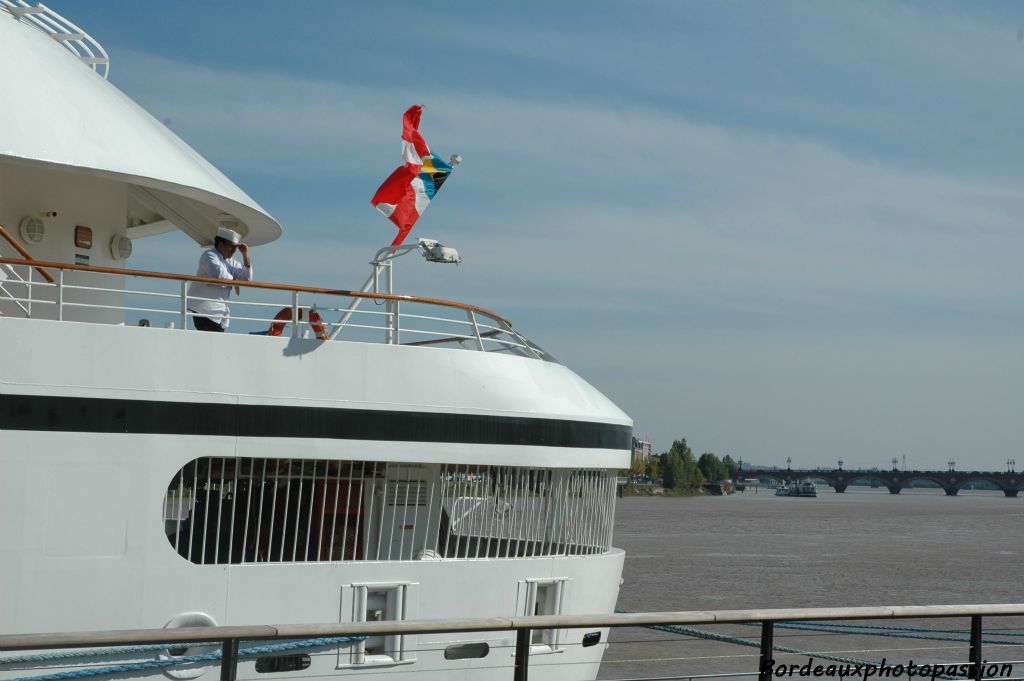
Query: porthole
x=467, y=651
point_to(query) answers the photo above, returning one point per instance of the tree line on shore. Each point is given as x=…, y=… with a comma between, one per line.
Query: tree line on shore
x=680, y=471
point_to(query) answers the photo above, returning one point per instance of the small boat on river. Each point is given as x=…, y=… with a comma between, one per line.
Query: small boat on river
x=801, y=488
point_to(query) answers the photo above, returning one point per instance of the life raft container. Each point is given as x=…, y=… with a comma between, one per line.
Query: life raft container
x=285, y=316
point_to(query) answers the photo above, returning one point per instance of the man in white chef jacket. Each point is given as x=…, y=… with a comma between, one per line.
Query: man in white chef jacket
x=212, y=312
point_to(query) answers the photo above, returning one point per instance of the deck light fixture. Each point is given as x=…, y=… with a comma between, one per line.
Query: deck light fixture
x=435, y=252
x=32, y=230
x=120, y=247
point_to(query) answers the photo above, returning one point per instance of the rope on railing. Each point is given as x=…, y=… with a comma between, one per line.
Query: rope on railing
x=737, y=640
x=893, y=628
x=252, y=651
x=829, y=628
x=92, y=652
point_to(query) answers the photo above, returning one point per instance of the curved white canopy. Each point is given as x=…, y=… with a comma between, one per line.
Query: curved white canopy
x=58, y=112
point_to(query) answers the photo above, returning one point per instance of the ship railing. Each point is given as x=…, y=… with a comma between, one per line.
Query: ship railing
x=10, y=279
x=573, y=634
x=71, y=292
x=16, y=282
x=245, y=511
x=77, y=41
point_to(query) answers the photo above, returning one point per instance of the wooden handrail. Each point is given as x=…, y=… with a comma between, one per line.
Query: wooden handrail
x=77, y=639
x=25, y=254
x=255, y=284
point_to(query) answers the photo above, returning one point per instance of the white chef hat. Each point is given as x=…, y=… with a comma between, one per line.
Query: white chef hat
x=229, y=235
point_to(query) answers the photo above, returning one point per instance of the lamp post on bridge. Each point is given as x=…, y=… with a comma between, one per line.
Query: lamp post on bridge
x=952, y=465
x=895, y=462
x=789, y=460
x=1010, y=465
x=840, y=464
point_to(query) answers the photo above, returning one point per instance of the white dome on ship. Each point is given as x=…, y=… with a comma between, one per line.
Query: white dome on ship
x=61, y=114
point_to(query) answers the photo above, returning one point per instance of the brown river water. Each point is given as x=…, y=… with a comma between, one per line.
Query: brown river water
x=861, y=548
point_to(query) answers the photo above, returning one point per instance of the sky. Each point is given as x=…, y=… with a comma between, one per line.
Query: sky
x=778, y=230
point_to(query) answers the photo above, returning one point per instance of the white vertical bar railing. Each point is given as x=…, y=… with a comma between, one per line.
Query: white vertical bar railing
x=397, y=323
x=297, y=518
x=183, y=307
x=248, y=507
x=192, y=510
x=480, y=508
x=273, y=511
x=334, y=515
x=60, y=295
x=323, y=513
x=437, y=480
x=259, y=517
x=492, y=511
x=206, y=513
x=309, y=514
x=287, y=508
x=295, y=314
x=180, y=512
x=476, y=330
x=361, y=526
x=234, y=512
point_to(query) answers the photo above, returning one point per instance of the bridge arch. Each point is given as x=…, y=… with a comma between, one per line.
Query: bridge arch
x=888, y=479
x=1008, y=488
x=936, y=480
x=951, y=482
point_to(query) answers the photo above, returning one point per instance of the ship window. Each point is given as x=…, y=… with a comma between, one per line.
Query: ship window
x=467, y=651
x=221, y=510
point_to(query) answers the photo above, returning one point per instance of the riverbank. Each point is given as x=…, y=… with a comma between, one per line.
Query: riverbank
x=633, y=490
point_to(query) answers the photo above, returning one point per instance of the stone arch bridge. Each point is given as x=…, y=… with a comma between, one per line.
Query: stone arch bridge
x=950, y=481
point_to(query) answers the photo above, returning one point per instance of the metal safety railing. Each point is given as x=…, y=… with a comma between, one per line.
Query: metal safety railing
x=245, y=511
x=122, y=296
x=230, y=637
x=77, y=41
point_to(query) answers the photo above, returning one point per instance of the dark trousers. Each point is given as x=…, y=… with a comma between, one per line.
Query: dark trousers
x=206, y=324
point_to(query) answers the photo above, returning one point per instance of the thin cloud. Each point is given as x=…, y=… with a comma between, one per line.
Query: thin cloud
x=792, y=251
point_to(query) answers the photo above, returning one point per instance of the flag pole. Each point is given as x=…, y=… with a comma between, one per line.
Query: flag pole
x=380, y=259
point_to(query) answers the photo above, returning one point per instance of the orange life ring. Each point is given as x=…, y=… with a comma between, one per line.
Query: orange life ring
x=285, y=315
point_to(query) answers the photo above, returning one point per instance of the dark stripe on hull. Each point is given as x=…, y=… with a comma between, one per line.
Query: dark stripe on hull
x=94, y=415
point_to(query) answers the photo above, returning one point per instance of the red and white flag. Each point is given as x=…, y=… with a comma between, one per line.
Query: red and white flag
x=407, y=192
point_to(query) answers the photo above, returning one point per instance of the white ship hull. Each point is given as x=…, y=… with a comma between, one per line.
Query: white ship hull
x=426, y=462
x=90, y=549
